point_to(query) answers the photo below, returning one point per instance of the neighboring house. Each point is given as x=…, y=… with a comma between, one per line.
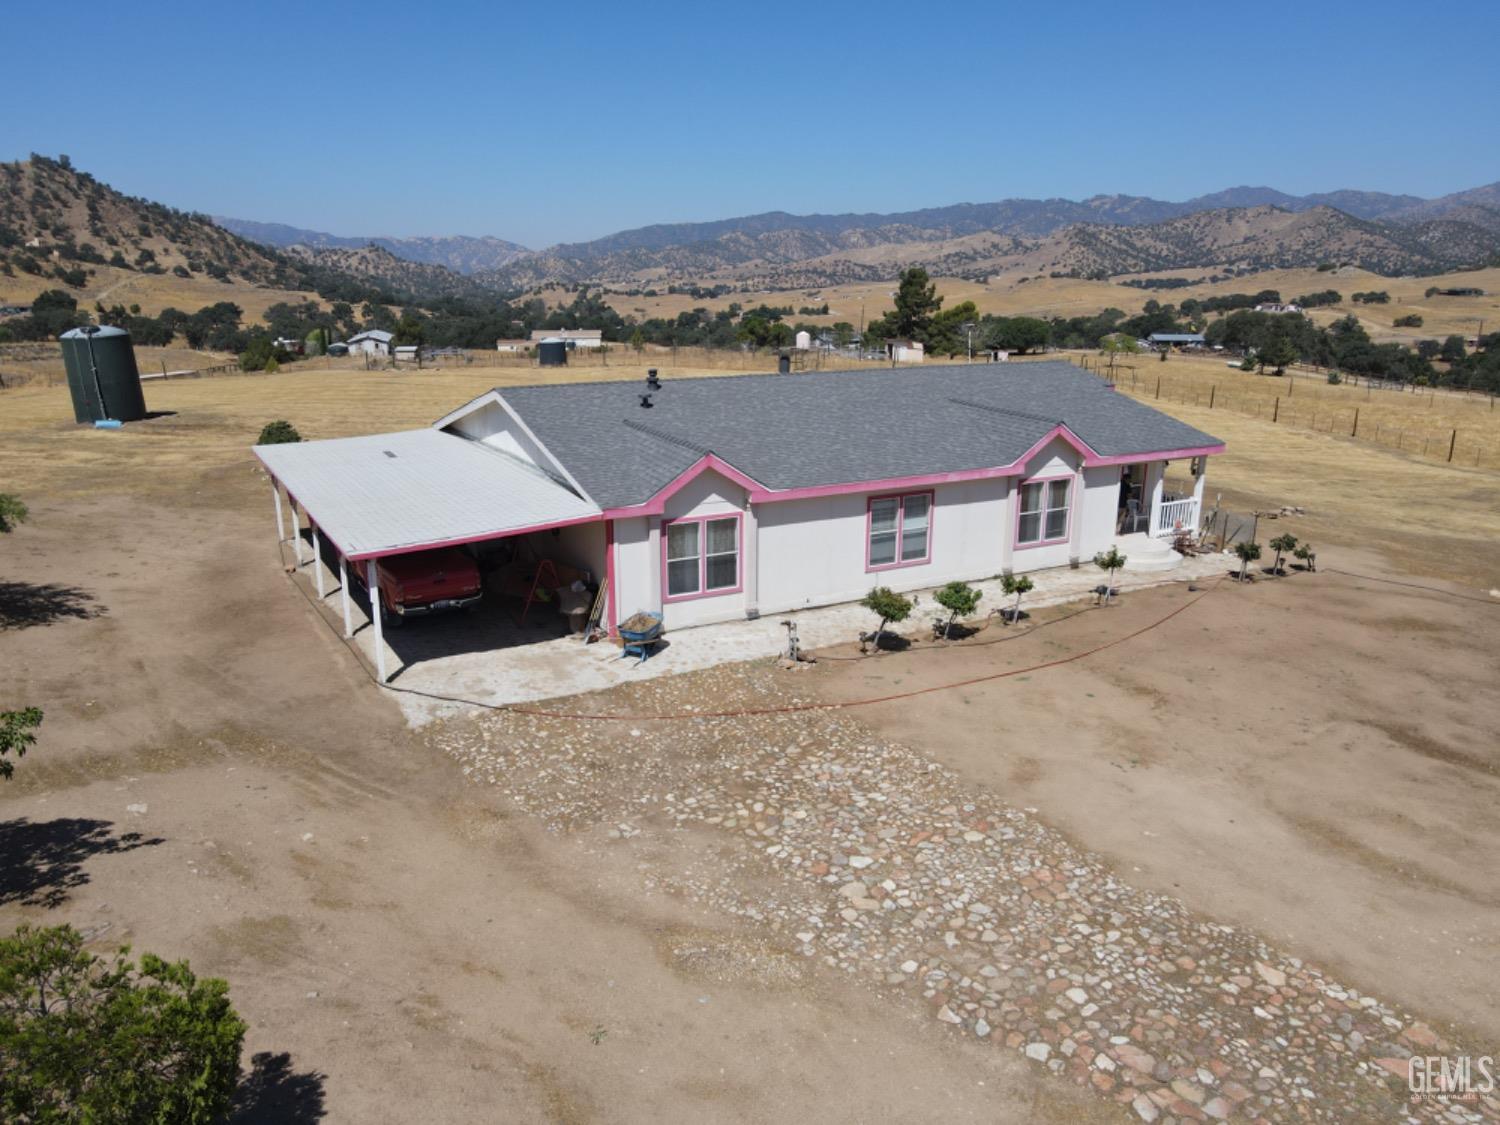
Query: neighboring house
x=512, y=346
x=373, y=342
x=573, y=337
x=1275, y=307
x=904, y=351
x=710, y=499
x=408, y=353
x=1175, y=339
x=14, y=310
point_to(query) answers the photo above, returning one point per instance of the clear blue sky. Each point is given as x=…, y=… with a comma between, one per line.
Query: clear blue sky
x=551, y=122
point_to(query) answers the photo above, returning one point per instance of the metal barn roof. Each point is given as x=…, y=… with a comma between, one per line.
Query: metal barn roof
x=383, y=494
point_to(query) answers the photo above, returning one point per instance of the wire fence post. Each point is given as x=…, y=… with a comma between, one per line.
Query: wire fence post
x=1452, y=441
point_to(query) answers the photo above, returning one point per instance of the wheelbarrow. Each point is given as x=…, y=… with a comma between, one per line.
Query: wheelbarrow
x=639, y=642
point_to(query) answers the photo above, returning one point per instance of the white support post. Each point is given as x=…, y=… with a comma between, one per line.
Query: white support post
x=344, y=595
x=1008, y=528
x=749, y=559
x=653, y=540
x=280, y=521
x=317, y=560
x=1156, y=475
x=372, y=577
x=296, y=531
x=1075, y=518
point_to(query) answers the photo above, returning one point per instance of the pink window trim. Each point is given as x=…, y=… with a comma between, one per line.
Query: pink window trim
x=739, y=557
x=900, y=498
x=1072, y=504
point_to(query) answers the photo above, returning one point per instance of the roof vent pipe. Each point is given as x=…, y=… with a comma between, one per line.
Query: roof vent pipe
x=651, y=380
x=646, y=402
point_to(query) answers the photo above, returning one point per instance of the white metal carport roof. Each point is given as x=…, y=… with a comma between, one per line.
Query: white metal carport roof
x=386, y=494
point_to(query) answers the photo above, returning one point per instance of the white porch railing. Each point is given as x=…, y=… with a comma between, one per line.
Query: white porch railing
x=1170, y=516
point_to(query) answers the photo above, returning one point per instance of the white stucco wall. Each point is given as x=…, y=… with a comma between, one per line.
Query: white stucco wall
x=637, y=586
x=812, y=552
x=1055, y=459
x=708, y=494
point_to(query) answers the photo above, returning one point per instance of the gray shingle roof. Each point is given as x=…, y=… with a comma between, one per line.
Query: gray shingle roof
x=832, y=427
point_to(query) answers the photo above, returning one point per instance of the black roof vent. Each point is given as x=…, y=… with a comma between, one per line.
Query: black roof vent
x=646, y=402
x=651, y=380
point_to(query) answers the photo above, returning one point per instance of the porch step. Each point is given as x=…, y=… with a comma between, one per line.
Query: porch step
x=1143, y=553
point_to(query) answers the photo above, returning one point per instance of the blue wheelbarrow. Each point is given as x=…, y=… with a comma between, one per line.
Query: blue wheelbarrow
x=639, y=642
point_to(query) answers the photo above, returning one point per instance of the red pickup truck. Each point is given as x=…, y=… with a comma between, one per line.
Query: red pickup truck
x=425, y=582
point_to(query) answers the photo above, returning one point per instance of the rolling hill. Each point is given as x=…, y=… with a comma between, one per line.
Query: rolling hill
x=459, y=253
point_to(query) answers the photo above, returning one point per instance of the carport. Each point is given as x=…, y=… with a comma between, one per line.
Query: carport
x=415, y=490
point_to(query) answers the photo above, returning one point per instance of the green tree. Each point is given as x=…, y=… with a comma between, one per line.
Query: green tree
x=638, y=340
x=1277, y=351
x=960, y=600
x=85, y=1039
x=278, y=433
x=1118, y=344
x=1452, y=350
x=409, y=330
x=1109, y=562
x=917, y=303
x=1017, y=585
x=887, y=605
x=1247, y=553
x=16, y=737
x=1308, y=556
x=12, y=512
x=1281, y=545
x=1018, y=334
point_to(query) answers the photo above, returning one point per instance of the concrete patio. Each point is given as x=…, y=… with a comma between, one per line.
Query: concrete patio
x=486, y=658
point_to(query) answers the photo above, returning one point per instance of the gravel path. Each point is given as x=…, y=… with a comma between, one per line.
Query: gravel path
x=887, y=867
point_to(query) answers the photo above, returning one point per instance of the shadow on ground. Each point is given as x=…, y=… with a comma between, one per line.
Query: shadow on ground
x=24, y=604
x=41, y=861
x=274, y=1092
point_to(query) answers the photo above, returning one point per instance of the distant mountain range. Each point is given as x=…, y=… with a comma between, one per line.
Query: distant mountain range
x=1257, y=227
x=459, y=253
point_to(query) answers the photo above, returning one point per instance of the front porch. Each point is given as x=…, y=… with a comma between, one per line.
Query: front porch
x=1153, y=505
x=492, y=662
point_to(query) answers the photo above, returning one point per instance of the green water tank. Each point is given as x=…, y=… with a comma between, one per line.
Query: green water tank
x=101, y=363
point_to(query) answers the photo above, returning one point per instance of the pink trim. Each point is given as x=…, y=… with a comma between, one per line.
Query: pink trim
x=900, y=498
x=708, y=462
x=609, y=577
x=739, y=557
x=1159, y=455
x=1072, y=479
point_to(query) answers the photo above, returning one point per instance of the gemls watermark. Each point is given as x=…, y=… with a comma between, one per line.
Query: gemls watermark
x=1450, y=1077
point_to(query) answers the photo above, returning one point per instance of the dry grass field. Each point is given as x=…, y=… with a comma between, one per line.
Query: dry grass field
x=154, y=292
x=1009, y=295
x=1422, y=422
x=1431, y=517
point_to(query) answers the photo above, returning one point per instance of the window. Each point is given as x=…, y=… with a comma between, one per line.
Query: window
x=1044, y=512
x=702, y=556
x=900, y=528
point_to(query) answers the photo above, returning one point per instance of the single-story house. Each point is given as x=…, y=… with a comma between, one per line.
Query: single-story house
x=373, y=342
x=905, y=351
x=512, y=346
x=573, y=337
x=1278, y=307
x=408, y=353
x=1176, y=339
x=715, y=498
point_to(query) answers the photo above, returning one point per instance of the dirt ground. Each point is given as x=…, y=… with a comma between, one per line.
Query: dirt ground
x=217, y=780
x=1312, y=760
